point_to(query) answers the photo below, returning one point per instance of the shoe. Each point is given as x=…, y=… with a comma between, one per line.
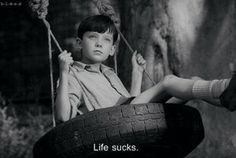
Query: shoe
x=228, y=97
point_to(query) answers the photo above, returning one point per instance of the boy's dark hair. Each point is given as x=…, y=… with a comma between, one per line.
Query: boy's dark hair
x=97, y=23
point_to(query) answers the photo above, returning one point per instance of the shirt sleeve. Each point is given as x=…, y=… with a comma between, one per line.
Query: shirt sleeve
x=74, y=94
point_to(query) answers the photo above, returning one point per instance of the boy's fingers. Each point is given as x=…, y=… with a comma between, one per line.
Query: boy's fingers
x=134, y=55
x=140, y=59
x=62, y=55
x=70, y=59
x=143, y=62
x=71, y=62
x=64, y=52
x=67, y=55
x=139, y=55
x=65, y=58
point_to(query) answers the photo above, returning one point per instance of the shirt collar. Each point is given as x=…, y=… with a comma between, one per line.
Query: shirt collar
x=91, y=67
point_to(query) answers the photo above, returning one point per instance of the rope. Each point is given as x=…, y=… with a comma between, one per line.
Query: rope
x=52, y=35
x=107, y=10
x=51, y=71
x=39, y=8
x=115, y=62
x=132, y=51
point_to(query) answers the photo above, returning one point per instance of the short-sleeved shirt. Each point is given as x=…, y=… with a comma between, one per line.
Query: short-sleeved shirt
x=93, y=87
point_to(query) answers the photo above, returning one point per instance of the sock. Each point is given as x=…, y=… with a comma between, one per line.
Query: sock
x=209, y=89
x=201, y=89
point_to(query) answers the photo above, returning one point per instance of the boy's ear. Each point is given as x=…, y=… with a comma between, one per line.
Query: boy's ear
x=79, y=42
x=113, y=49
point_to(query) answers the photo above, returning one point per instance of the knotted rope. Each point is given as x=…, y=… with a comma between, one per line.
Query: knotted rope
x=39, y=9
x=106, y=9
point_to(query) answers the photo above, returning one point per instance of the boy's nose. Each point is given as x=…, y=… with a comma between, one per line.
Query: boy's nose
x=98, y=43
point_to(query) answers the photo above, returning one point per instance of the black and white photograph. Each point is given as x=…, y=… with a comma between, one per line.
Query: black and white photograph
x=118, y=78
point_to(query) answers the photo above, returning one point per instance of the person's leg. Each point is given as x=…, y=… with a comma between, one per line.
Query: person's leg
x=154, y=94
x=165, y=89
x=175, y=100
x=185, y=89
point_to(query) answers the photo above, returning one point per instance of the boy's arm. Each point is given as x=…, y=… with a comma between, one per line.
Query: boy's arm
x=63, y=108
x=138, y=64
x=136, y=83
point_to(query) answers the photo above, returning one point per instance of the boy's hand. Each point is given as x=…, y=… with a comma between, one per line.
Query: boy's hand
x=65, y=60
x=138, y=62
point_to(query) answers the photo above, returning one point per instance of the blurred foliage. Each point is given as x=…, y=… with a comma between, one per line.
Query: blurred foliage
x=17, y=138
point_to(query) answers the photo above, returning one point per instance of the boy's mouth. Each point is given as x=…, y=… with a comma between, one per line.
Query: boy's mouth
x=98, y=52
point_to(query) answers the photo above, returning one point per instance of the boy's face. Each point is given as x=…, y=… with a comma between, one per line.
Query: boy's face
x=96, y=47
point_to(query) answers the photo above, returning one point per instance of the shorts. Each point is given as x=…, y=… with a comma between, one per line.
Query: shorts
x=128, y=101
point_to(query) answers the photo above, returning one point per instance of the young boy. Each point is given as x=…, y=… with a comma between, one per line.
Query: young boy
x=87, y=84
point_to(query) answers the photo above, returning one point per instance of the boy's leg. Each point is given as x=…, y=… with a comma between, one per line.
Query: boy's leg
x=175, y=100
x=153, y=94
x=165, y=89
x=185, y=89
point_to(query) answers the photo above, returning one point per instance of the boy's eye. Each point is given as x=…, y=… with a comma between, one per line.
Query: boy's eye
x=92, y=36
x=108, y=39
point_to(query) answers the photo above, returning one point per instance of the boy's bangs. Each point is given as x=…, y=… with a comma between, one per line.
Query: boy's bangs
x=97, y=23
x=101, y=27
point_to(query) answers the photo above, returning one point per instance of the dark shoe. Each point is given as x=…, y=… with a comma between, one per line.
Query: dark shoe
x=228, y=97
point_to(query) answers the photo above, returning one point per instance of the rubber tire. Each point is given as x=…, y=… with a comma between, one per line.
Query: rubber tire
x=155, y=129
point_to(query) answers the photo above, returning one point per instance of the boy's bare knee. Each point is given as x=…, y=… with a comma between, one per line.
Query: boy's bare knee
x=195, y=78
x=168, y=80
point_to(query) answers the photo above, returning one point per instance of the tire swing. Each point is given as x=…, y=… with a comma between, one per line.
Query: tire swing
x=149, y=130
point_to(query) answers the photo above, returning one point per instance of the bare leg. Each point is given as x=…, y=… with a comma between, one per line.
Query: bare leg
x=170, y=86
x=174, y=86
x=154, y=94
x=175, y=100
